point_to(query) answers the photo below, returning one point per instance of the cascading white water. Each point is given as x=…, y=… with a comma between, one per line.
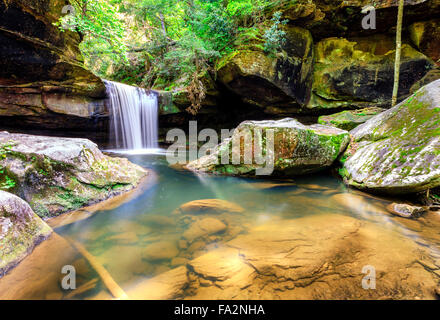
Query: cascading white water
x=134, y=116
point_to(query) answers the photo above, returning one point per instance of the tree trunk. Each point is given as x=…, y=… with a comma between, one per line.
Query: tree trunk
x=398, y=53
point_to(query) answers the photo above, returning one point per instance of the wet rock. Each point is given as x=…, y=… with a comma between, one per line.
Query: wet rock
x=183, y=244
x=163, y=250
x=316, y=257
x=405, y=210
x=203, y=228
x=358, y=73
x=20, y=231
x=209, y=206
x=196, y=246
x=57, y=175
x=297, y=149
x=177, y=261
x=159, y=221
x=265, y=80
x=268, y=186
x=437, y=291
x=396, y=152
x=350, y=119
x=166, y=286
x=34, y=277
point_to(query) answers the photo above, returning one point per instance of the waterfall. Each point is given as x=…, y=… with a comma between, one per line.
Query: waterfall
x=134, y=116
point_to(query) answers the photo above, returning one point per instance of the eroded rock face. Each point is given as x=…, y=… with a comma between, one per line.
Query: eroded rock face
x=297, y=149
x=350, y=119
x=268, y=80
x=344, y=18
x=426, y=36
x=397, y=151
x=43, y=81
x=359, y=72
x=56, y=175
x=20, y=231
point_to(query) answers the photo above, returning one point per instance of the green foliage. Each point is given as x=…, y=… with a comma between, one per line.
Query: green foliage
x=103, y=32
x=6, y=182
x=275, y=37
x=170, y=44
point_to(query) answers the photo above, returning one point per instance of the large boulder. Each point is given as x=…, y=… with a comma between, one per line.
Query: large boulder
x=398, y=151
x=297, y=149
x=43, y=82
x=265, y=80
x=357, y=73
x=56, y=175
x=20, y=231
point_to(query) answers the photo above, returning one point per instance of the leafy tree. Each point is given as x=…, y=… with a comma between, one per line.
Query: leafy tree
x=102, y=28
x=171, y=44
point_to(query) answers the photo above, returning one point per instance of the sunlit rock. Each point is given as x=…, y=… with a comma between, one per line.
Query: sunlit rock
x=405, y=210
x=398, y=151
x=163, y=250
x=317, y=257
x=296, y=149
x=204, y=227
x=209, y=206
x=57, y=175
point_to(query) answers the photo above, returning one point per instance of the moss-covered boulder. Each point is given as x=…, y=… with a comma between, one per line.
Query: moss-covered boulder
x=20, y=231
x=349, y=119
x=426, y=36
x=270, y=80
x=57, y=175
x=357, y=73
x=398, y=151
x=296, y=150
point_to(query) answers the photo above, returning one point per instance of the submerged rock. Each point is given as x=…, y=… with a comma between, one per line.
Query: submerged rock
x=20, y=231
x=398, y=151
x=163, y=250
x=57, y=175
x=210, y=206
x=297, y=149
x=204, y=227
x=405, y=210
x=350, y=119
x=315, y=257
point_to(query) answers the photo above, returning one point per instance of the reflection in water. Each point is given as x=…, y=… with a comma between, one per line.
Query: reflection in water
x=147, y=237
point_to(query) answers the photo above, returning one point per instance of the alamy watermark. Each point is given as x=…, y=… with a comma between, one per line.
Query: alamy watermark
x=369, y=281
x=369, y=21
x=69, y=281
